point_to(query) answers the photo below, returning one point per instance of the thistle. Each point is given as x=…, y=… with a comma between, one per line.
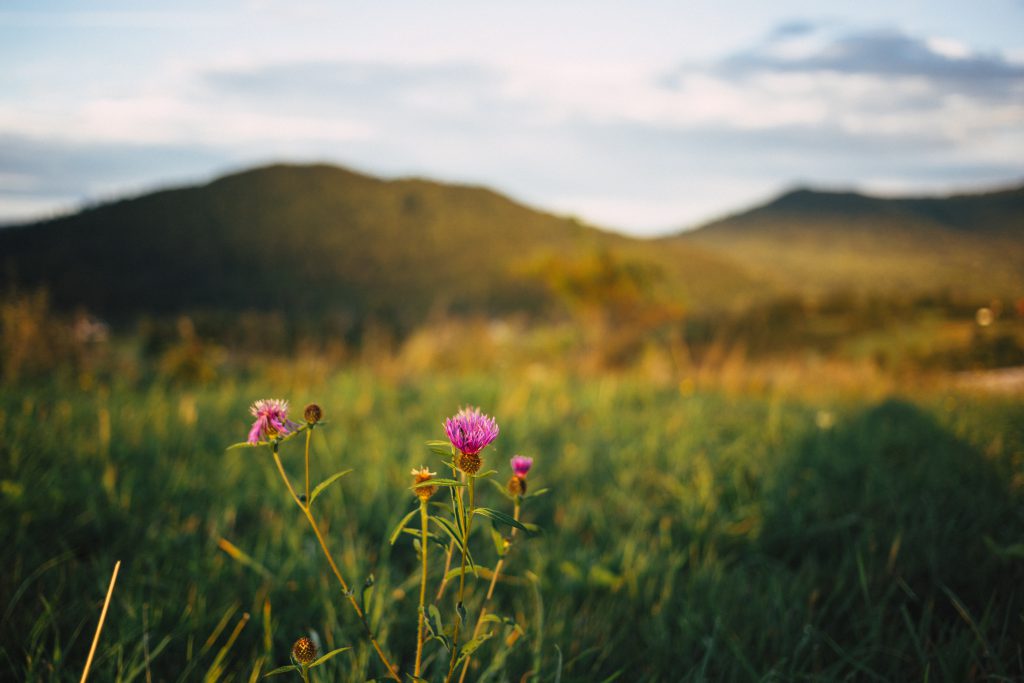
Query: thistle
x=470, y=431
x=271, y=420
x=521, y=465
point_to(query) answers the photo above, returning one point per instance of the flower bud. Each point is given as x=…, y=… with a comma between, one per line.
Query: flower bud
x=304, y=650
x=517, y=485
x=313, y=413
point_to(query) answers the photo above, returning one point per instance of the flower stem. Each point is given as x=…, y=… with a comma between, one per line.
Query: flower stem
x=448, y=557
x=309, y=435
x=462, y=575
x=490, y=591
x=305, y=673
x=423, y=588
x=334, y=567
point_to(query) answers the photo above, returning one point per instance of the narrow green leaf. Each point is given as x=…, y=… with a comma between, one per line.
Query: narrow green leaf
x=327, y=656
x=245, y=444
x=454, y=573
x=439, y=482
x=443, y=451
x=367, y=592
x=499, y=516
x=499, y=542
x=325, y=483
x=281, y=670
x=449, y=529
x=401, y=525
x=501, y=488
x=537, y=493
x=486, y=475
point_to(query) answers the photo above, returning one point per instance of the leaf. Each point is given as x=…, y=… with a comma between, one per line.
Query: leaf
x=454, y=573
x=469, y=648
x=281, y=670
x=486, y=475
x=538, y=493
x=401, y=525
x=325, y=483
x=439, y=482
x=327, y=656
x=436, y=628
x=499, y=542
x=246, y=444
x=499, y=516
x=242, y=557
x=460, y=609
x=367, y=591
x=502, y=489
x=443, y=451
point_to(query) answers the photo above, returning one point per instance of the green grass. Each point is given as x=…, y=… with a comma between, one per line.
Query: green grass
x=687, y=536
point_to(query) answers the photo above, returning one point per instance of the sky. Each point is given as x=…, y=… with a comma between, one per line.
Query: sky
x=645, y=117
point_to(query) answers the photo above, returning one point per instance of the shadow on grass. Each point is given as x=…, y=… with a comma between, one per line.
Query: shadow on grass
x=899, y=526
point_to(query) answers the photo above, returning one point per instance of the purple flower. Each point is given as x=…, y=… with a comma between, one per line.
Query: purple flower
x=521, y=464
x=271, y=420
x=470, y=430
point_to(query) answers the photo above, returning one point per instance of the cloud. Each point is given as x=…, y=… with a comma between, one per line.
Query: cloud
x=884, y=53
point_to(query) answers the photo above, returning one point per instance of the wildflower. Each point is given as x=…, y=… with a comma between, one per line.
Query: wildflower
x=271, y=420
x=313, y=413
x=521, y=465
x=421, y=475
x=304, y=650
x=470, y=431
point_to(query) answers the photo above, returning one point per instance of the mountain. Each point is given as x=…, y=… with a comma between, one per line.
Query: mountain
x=816, y=242
x=322, y=239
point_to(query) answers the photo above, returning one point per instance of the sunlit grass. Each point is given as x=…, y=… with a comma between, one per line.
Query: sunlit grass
x=693, y=532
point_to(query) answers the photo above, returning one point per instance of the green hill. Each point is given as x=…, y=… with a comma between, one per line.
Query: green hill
x=817, y=242
x=321, y=239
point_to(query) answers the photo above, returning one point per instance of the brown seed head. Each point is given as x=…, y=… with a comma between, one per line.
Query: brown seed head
x=470, y=462
x=313, y=413
x=419, y=476
x=304, y=650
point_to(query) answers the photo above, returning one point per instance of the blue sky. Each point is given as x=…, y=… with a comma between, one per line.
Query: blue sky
x=644, y=117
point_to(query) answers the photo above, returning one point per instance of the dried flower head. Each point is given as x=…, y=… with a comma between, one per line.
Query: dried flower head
x=471, y=431
x=420, y=476
x=271, y=420
x=304, y=650
x=313, y=413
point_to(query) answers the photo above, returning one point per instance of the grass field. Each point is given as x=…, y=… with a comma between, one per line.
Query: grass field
x=688, y=534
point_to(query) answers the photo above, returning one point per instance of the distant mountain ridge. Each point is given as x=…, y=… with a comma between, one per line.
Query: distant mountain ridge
x=323, y=239
x=814, y=242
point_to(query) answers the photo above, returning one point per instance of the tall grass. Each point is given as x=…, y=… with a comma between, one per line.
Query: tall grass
x=690, y=535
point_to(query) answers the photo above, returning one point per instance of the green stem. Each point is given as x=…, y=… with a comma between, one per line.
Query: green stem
x=305, y=673
x=490, y=592
x=462, y=576
x=334, y=567
x=423, y=588
x=309, y=435
x=448, y=556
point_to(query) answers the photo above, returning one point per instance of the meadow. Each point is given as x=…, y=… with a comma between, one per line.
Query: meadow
x=692, y=531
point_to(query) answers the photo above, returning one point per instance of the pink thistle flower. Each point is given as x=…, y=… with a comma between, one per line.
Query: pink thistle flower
x=470, y=430
x=521, y=464
x=271, y=420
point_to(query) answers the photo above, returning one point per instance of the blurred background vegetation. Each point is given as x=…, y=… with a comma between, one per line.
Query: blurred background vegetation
x=786, y=446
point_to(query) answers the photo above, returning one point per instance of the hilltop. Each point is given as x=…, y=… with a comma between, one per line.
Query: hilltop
x=815, y=242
